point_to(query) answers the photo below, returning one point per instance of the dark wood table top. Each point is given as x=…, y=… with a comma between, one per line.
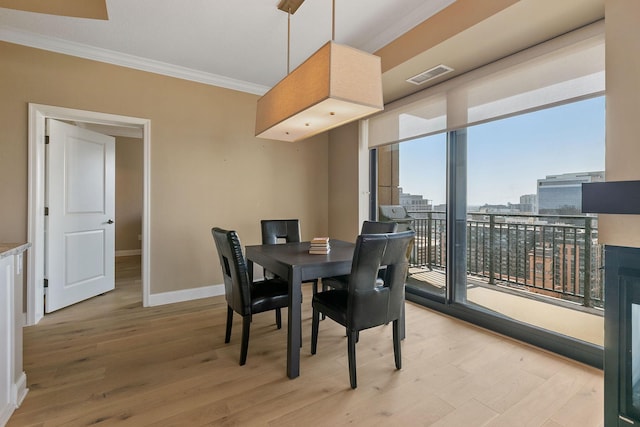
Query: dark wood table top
x=279, y=258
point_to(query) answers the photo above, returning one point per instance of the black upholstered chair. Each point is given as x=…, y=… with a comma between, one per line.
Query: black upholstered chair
x=244, y=297
x=276, y=231
x=368, y=227
x=366, y=303
x=378, y=227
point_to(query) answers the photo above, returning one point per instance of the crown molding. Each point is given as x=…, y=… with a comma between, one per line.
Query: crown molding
x=26, y=38
x=404, y=24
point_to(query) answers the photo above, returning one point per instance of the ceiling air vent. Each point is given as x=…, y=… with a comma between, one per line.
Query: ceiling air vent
x=430, y=74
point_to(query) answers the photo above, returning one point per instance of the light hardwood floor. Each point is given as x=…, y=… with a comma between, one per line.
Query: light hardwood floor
x=109, y=361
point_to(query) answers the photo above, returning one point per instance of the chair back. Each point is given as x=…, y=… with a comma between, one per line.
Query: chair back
x=369, y=303
x=234, y=270
x=274, y=229
x=378, y=227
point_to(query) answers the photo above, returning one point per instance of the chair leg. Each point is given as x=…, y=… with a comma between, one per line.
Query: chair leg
x=278, y=318
x=351, y=350
x=246, y=323
x=315, y=320
x=227, y=336
x=324, y=289
x=346, y=334
x=397, y=336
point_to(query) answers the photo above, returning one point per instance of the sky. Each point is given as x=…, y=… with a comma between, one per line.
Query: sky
x=506, y=157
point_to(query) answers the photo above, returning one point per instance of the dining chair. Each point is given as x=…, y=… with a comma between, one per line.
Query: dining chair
x=368, y=227
x=276, y=231
x=244, y=297
x=365, y=303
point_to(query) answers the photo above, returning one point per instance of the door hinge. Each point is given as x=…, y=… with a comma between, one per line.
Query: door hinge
x=46, y=211
x=46, y=283
x=46, y=140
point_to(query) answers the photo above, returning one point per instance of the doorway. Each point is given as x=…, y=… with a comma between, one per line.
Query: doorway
x=36, y=198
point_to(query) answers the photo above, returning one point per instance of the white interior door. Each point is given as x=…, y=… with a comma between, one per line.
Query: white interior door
x=80, y=235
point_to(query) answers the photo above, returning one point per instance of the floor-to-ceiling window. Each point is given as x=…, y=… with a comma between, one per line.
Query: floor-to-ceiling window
x=489, y=166
x=532, y=255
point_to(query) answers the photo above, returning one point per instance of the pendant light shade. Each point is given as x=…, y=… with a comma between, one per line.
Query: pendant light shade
x=336, y=85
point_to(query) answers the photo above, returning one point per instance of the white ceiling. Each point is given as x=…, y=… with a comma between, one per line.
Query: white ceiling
x=240, y=44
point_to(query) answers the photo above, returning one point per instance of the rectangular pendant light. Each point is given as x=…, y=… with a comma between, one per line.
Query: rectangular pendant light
x=336, y=85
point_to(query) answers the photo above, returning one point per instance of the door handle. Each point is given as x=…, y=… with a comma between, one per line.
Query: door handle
x=110, y=221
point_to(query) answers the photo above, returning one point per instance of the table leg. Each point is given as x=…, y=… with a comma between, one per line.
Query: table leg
x=293, y=327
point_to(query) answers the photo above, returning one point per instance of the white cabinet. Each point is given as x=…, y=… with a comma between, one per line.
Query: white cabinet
x=13, y=381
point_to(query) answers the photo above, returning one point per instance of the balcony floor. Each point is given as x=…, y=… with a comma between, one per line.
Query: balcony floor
x=545, y=312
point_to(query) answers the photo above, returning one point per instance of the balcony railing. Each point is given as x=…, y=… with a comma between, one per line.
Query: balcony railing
x=554, y=255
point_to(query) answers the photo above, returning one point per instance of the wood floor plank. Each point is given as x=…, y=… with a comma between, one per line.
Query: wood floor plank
x=109, y=361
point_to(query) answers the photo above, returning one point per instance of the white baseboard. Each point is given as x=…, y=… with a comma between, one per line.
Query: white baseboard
x=185, y=295
x=129, y=252
x=6, y=410
x=20, y=389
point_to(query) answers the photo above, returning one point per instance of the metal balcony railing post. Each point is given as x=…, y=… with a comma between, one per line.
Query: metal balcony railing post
x=587, y=262
x=508, y=252
x=554, y=269
x=575, y=281
x=492, y=226
x=429, y=231
x=533, y=263
x=563, y=253
x=544, y=258
x=476, y=243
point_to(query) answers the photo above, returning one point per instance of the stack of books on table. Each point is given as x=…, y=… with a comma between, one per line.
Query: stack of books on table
x=320, y=246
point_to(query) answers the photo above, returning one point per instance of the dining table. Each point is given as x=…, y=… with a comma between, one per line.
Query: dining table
x=294, y=262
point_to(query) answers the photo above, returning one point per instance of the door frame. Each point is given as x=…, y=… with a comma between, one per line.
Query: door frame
x=38, y=114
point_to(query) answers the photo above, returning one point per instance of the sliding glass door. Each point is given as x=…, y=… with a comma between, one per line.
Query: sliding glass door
x=412, y=175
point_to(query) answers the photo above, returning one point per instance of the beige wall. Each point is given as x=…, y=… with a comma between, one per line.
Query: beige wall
x=207, y=168
x=343, y=183
x=129, y=185
x=622, y=24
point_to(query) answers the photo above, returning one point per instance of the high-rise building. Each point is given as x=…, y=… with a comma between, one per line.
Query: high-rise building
x=562, y=194
x=529, y=203
x=415, y=202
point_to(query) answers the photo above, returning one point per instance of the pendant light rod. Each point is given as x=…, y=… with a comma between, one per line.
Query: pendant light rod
x=333, y=21
x=289, y=41
x=290, y=7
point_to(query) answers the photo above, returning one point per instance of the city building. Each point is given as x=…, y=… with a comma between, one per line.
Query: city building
x=562, y=194
x=415, y=202
x=509, y=208
x=529, y=203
